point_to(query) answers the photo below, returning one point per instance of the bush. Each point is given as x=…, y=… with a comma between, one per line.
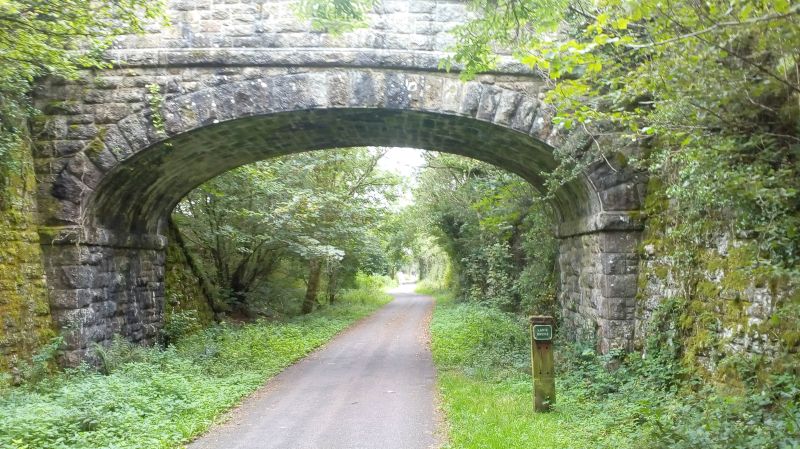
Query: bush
x=181, y=324
x=373, y=282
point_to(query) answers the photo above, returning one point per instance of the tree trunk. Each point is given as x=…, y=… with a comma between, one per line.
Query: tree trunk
x=314, y=273
x=205, y=286
x=332, y=287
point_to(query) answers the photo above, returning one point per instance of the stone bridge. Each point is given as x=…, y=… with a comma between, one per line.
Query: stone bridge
x=236, y=81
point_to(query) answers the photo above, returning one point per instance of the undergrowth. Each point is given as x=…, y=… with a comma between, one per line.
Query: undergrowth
x=151, y=398
x=608, y=401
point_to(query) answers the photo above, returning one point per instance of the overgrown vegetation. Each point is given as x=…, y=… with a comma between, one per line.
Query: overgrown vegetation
x=483, y=359
x=496, y=236
x=160, y=398
x=41, y=38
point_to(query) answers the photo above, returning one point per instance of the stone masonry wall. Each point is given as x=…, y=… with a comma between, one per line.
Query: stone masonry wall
x=102, y=291
x=24, y=310
x=718, y=309
x=412, y=34
x=598, y=276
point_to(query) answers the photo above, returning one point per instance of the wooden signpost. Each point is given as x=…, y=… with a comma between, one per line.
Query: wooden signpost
x=544, y=381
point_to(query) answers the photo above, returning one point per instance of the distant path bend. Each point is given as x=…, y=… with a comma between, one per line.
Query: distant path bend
x=371, y=387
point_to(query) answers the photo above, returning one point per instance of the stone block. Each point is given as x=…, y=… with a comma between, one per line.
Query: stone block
x=85, y=171
x=54, y=128
x=78, y=277
x=617, y=308
x=615, y=334
x=338, y=88
x=620, y=285
x=451, y=95
x=621, y=197
x=81, y=132
x=116, y=143
x=470, y=99
x=68, y=187
x=75, y=298
x=101, y=156
x=103, y=310
x=620, y=263
x=507, y=108
x=618, y=242
x=398, y=95
x=490, y=99
x=134, y=128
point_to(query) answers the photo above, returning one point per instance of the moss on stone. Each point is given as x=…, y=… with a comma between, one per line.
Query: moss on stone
x=96, y=146
x=724, y=284
x=25, y=310
x=183, y=288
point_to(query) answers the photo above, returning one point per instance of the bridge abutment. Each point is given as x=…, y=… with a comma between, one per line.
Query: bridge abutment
x=598, y=279
x=102, y=288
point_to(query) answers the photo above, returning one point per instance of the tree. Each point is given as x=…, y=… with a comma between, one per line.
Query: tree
x=711, y=91
x=495, y=231
x=314, y=209
x=352, y=195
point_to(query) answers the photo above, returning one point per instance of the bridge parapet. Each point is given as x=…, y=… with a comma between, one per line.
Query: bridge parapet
x=402, y=34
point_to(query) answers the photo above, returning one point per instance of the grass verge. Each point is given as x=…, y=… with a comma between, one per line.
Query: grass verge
x=484, y=378
x=153, y=398
x=483, y=360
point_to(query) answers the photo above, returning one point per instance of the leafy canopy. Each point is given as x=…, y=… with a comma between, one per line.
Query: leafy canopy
x=246, y=224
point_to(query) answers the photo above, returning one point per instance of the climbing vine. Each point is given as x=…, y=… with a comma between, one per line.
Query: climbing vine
x=155, y=101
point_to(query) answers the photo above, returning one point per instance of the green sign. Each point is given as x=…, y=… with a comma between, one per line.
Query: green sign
x=542, y=332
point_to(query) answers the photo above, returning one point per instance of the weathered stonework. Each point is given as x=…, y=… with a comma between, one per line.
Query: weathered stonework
x=241, y=81
x=598, y=275
x=726, y=306
x=24, y=310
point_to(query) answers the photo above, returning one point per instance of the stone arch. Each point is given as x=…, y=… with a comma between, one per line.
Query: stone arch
x=190, y=138
x=110, y=200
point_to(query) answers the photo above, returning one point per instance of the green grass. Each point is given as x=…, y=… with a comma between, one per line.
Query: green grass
x=609, y=401
x=154, y=398
x=483, y=360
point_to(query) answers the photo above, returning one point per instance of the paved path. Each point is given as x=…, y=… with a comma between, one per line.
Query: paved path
x=370, y=388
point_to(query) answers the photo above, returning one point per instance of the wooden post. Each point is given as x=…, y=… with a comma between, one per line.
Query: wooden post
x=544, y=381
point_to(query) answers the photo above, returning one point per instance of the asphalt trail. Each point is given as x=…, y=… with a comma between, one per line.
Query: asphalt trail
x=372, y=387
